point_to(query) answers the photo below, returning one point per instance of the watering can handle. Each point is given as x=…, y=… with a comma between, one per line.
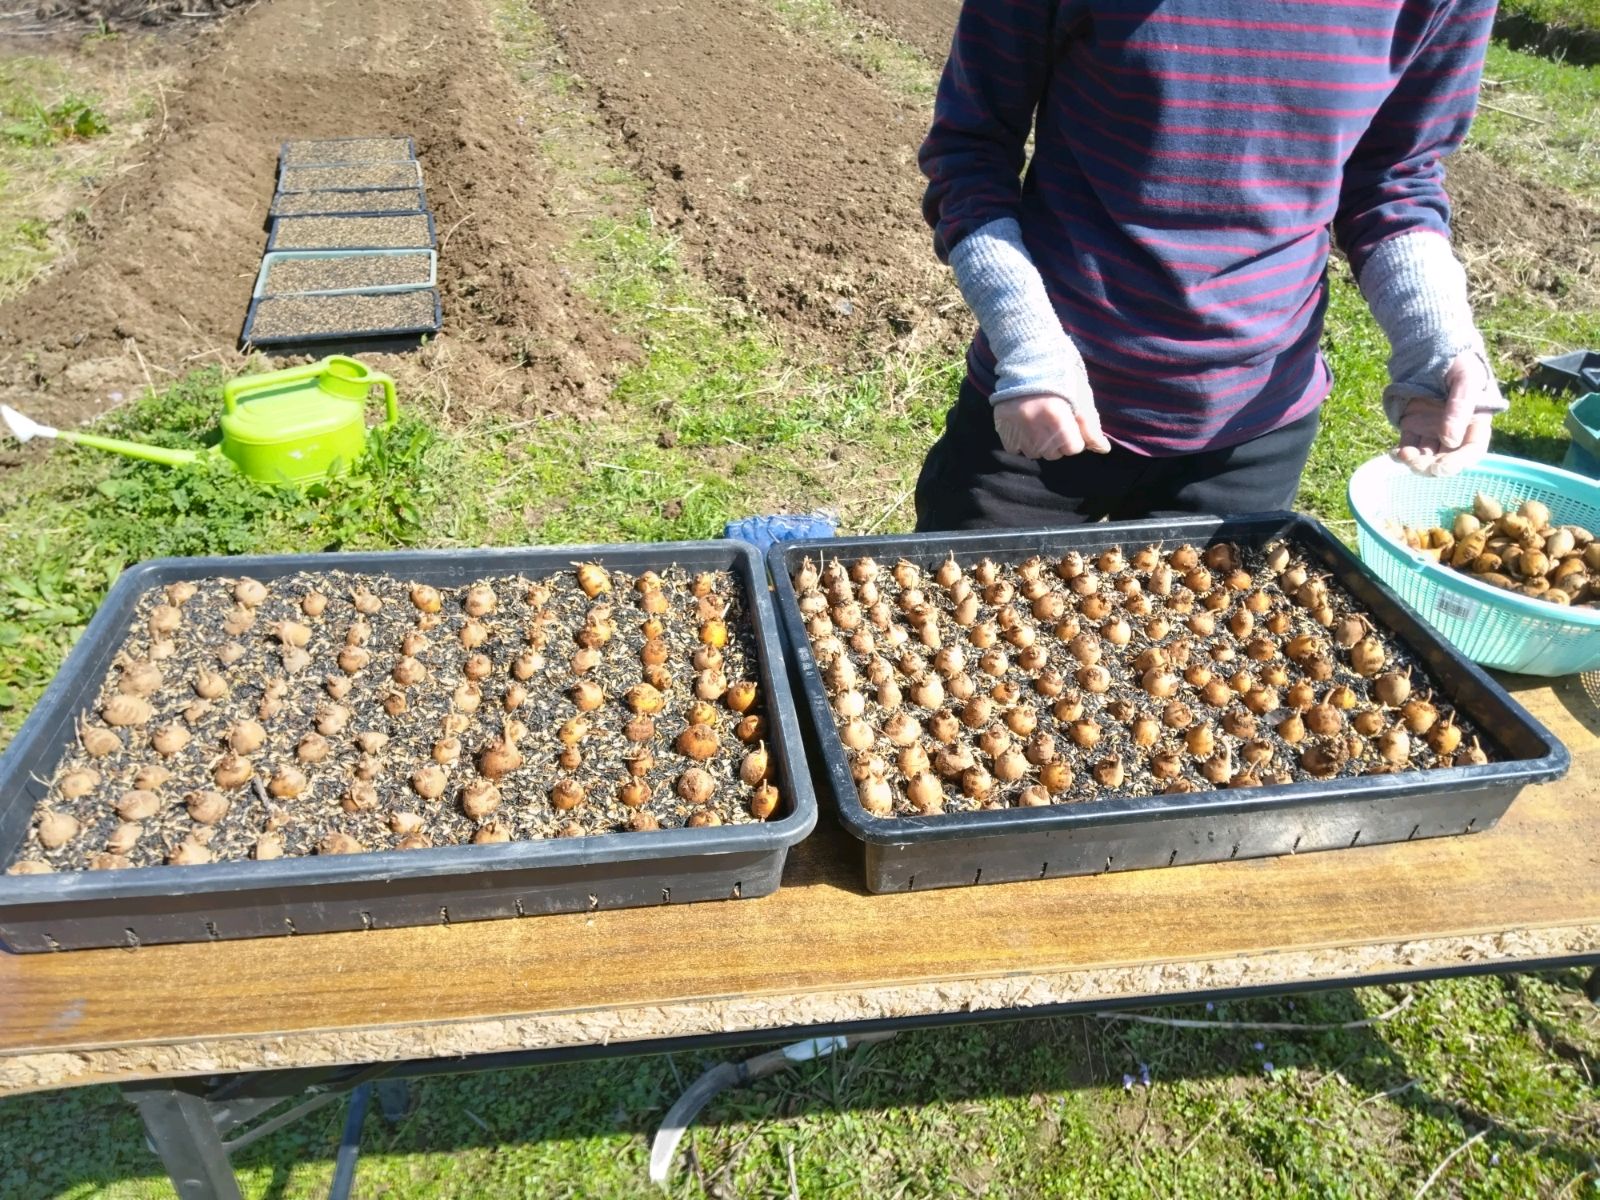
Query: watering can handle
x=236, y=389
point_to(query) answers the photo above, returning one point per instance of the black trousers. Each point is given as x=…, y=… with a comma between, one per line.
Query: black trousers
x=968, y=481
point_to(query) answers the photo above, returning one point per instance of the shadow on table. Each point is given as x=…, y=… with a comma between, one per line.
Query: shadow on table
x=96, y=1139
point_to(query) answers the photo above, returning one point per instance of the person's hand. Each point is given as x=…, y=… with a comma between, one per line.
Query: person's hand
x=1443, y=437
x=1049, y=427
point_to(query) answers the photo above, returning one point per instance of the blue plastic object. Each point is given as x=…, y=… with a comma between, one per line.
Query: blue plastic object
x=1492, y=627
x=1583, y=423
x=765, y=531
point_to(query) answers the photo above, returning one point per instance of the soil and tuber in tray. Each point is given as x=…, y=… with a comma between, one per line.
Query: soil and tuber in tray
x=329, y=713
x=376, y=175
x=376, y=201
x=1516, y=551
x=1114, y=673
x=357, y=313
x=330, y=151
x=358, y=269
x=409, y=232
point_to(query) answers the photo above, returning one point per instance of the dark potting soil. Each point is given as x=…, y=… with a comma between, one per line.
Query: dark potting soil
x=1125, y=700
x=367, y=313
x=350, y=233
x=375, y=201
x=377, y=175
x=347, y=700
x=356, y=270
x=322, y=152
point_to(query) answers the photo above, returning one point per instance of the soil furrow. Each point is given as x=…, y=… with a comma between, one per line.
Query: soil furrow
x=175, y=241
x=791, y=179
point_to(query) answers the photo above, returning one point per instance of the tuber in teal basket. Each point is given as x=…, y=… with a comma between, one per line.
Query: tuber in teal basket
x=1492, y=627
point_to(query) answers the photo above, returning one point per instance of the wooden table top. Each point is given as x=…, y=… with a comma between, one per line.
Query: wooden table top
x=822, y=950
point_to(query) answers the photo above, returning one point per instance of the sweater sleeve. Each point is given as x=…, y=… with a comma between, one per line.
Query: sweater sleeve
x=1394, y=179
x=974, y=153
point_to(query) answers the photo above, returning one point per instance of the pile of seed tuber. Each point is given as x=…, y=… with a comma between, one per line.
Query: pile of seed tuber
x=1516, y=551
x=1047, y=681
x=329, y=713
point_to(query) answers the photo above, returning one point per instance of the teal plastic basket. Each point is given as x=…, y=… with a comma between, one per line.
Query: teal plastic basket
x=1492, y=627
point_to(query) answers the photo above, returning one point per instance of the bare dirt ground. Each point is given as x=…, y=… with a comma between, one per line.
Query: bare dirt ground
x=790, y=177
x=787, y=174
x=164, y=278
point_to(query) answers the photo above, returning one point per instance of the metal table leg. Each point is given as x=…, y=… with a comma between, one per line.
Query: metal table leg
x=184, y=1135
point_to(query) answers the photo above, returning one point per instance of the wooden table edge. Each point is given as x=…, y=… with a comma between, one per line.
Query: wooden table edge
x=959, y=998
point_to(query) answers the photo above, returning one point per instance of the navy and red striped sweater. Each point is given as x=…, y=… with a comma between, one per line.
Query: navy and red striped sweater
x=1191, y=157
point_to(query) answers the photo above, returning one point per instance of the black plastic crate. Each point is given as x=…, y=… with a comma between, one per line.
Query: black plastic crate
x=345, y=151
x=1125, y=833
x=389, y=888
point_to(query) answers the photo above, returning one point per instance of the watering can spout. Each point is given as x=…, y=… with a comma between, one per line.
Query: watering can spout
x=25, y=429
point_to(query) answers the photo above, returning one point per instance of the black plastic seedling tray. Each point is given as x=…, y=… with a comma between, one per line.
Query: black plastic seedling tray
x=392, y=202
x=392, y=887
x=248, y=337
x=430, y=243
x=336, y=152
x=1121, y=833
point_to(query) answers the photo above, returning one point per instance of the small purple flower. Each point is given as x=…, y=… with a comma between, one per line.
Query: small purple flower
x=1494, y=1159
x=1259, y=1046
x=1127, y=1083
x=1267, y=1067
x=116, y=397
x=1210, y=1007
x=1144, y=1074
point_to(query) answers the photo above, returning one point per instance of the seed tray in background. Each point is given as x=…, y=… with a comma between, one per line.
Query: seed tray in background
x=343, y=323
x=326, y=152
x=1119, y=833
x=363, y=202
x=265, y=285
x=351, y=177
x=391, y=887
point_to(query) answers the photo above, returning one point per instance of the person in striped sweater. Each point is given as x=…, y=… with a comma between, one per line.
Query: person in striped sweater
x=1150, y=285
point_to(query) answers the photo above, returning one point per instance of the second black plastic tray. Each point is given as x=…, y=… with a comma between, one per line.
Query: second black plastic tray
x=1124, y=832
x=392, y=887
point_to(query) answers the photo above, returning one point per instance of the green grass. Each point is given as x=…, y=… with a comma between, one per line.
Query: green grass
x=62, y=121
x=1541, y=118
x=1556, y=14
x=1041, y=1108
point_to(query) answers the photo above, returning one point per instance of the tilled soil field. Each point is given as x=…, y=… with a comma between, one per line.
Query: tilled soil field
x=786, y=170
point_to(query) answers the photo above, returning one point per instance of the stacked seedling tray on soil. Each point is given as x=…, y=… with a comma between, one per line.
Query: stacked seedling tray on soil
x=253, y=746
x=996, y=707
x=352, y=256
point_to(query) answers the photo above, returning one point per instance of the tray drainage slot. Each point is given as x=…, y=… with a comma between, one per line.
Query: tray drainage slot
x=666, y=895
x=288, y=923
x=1044, y=870
x=51, y=942
x=444, y=915
x=1234, y=853
x=366, y=920
x=978, y=877
x=738, y=890
x=1294, y=848
x=517, y=903
x=131, y=938
x=1172, y=858
x=1470, y=824
x=211, y=931
x=911, y=882
x=1357, y=838
x=1108, y=862
x=594, y=902
x=1415, y=829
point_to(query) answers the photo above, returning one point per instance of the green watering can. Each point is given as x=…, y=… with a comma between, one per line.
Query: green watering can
x=293, y=426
